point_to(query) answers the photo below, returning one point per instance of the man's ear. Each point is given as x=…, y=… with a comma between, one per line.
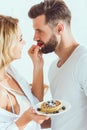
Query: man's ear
x=60, y=28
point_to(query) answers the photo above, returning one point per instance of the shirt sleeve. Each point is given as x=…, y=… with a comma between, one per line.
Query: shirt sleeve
x=8, y=126
x=35, y=100
x=81, y=73
x=7, y=120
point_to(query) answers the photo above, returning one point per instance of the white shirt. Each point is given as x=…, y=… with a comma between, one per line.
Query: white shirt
x=69, y=82
x=7, y=119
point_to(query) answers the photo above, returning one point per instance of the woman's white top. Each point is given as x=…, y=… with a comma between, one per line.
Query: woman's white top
x=7, y=119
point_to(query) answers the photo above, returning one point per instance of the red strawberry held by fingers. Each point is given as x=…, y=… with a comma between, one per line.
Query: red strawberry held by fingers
x=39, y=44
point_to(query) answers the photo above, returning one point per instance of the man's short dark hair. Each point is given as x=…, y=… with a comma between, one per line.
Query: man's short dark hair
x=54, y=10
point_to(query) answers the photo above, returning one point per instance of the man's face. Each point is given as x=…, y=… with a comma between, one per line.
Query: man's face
x=50, y=45
x=44, y=35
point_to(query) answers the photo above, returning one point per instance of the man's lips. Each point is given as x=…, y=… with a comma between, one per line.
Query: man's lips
x=39, y=44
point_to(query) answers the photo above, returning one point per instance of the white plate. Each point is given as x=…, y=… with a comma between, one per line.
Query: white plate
x=65, y=104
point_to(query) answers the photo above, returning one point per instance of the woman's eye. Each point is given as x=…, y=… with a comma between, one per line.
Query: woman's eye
x=20, y=39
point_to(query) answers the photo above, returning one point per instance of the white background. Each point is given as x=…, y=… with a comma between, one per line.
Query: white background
x=19, y=9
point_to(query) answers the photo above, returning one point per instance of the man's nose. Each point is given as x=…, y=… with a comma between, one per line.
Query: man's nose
x=36, y=37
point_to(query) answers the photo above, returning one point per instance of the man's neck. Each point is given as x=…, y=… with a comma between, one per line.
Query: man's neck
x=64, y=53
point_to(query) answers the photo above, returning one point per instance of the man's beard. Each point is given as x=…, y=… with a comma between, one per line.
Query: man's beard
x=50, y=45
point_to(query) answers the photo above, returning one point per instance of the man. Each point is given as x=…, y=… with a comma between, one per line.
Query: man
x=67, y=75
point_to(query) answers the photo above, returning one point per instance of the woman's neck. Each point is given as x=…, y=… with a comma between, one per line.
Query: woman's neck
x=3, y=74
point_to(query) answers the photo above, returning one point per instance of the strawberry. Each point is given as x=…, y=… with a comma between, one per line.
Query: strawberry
x=39, y=44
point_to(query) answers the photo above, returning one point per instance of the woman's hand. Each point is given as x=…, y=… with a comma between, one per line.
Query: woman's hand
x=36, y=55
x=30, y=115
x=35, y=117
x=37, y=84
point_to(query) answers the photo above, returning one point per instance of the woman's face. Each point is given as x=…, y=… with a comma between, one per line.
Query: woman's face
x=16, y=49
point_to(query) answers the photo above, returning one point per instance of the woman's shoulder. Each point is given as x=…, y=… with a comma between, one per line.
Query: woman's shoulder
x=11, y=69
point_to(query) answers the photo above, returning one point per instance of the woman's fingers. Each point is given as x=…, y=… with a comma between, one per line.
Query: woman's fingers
x=38, y=118
x=33, y=49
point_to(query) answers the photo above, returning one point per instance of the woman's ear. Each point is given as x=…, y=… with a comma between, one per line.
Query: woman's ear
x=60, y=28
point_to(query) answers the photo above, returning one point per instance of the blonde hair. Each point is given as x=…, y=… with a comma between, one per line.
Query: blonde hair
x=8, y=37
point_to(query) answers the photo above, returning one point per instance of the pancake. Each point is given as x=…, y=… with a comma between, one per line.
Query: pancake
x=51, y=106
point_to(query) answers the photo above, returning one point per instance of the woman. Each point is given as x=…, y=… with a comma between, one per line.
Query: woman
x=16, y=97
